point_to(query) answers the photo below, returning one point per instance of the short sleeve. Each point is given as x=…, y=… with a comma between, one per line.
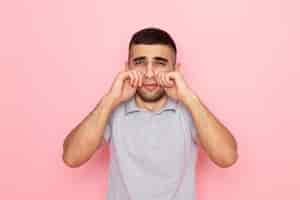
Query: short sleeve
x=191, y=124
x=192, y=128
x=107, y=132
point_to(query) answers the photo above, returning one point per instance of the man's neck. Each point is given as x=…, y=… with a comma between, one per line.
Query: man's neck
x=151, y=106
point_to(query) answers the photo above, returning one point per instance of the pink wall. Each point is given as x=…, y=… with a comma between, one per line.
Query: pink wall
x=57, y=58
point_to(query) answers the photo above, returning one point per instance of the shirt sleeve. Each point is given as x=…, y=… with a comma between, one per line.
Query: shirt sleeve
x=107, y=132
x=191, y=124
x=192, y=127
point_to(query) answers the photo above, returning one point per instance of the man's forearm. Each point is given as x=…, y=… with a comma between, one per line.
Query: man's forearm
x=215, y=138
x=83, y=140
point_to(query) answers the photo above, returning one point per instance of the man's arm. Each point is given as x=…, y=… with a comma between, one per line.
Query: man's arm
x=80, y=144
x=215, y=138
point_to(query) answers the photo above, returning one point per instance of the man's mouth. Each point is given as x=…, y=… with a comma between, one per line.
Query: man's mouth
x=151, y=87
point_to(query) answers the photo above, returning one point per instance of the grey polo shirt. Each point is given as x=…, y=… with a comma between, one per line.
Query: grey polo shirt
x=152, y=154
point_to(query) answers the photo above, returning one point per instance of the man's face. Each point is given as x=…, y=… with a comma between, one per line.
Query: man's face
x=150, y=59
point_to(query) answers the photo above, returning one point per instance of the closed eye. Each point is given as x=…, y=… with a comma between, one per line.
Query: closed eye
x=139, y=62
x=161, y=63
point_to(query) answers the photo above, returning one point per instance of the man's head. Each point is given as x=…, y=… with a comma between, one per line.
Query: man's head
x=151, y=50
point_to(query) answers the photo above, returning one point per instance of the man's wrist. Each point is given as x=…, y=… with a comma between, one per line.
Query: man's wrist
x=192, y=101
x=189, y=99
x=106, y=104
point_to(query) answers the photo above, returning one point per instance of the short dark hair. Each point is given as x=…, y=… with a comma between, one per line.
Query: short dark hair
x=152, y=35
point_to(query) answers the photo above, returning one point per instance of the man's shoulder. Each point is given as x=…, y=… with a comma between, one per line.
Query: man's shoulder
x=118, y=110
x=182, y=108
x=185, y=112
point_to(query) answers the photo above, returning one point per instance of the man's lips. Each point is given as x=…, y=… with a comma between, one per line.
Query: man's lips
x=151, y=86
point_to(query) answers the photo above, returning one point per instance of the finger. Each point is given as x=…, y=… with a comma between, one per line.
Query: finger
x=169, y=79
x=164, y=80
x=118, y=80
x=137, y=79
x=131, y=78
x=141, y=79
x=161, y=79
x=158, y=79
x=134, y=78
x=125, y=76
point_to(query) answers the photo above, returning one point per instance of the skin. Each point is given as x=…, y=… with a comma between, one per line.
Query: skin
x=148, y=61
x=150, y=64
x=157, y=64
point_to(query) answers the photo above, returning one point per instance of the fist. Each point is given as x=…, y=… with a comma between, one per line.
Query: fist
x=125, y=85
x=174, y=84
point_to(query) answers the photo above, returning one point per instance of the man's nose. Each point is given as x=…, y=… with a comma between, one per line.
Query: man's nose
x=149, y=73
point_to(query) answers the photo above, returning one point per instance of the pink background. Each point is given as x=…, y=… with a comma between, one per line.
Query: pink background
x=57, y=58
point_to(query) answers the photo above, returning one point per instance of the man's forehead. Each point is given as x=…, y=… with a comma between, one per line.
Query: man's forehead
x=151, y=51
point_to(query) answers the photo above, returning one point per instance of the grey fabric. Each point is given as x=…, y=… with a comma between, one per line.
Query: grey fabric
x=152, y=154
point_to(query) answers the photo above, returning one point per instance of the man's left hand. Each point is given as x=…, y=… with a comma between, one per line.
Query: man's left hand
x=174, y=84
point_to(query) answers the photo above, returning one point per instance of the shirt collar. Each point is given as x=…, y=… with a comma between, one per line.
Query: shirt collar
x=130, y=106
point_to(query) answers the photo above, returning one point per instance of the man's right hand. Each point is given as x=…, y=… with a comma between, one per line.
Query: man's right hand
x=125, y=85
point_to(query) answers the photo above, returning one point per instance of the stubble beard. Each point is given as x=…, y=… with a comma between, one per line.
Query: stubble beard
x=151, y=96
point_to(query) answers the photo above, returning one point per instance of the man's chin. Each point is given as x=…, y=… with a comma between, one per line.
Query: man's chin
x=151, y=97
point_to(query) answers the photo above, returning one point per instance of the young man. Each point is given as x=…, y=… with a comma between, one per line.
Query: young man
x=154, y=124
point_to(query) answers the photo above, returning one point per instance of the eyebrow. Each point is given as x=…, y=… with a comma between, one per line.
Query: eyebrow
x=161, y=59
x=139, y=58
x=157, y=58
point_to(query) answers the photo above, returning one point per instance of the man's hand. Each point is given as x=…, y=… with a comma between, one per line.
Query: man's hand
x=215, y=138
x=124, y=86
x=174, y=84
